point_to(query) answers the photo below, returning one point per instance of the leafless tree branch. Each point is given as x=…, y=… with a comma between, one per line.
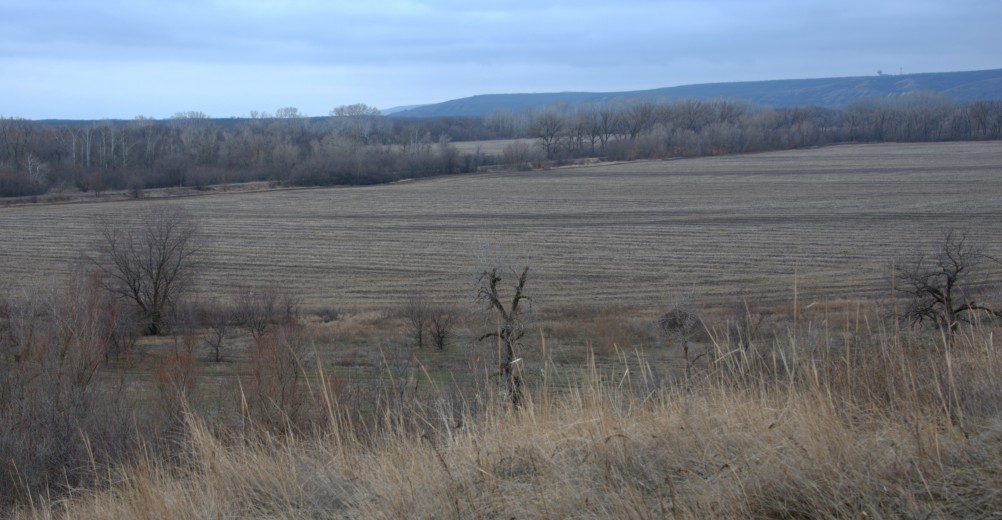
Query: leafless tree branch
x=149, y=261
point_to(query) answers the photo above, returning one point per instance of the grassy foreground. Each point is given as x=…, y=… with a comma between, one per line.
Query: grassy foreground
x=865, y=421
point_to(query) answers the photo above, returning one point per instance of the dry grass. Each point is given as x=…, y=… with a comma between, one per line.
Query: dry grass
x=859, y=422
x=491, y=147
x=608, y=234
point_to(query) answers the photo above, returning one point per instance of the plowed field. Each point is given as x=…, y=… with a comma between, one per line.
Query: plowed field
x=723, y=227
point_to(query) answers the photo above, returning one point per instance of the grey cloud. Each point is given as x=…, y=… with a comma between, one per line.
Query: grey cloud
x=449, y=48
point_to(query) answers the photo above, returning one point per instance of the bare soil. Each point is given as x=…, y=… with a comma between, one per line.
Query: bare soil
x=827, y=221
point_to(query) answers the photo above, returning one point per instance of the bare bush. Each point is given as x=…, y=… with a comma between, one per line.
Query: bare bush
x=126, y=328
x=945, y=288
x=417, y=313
x=217, y=319
x=326, y=313
x=58, y=409
x=679, y=324
x=184, y=325
x=176, y=378
x=275, y=389
x=258, y=309
x=520, y=156
x=442, y=320
x=429, y=319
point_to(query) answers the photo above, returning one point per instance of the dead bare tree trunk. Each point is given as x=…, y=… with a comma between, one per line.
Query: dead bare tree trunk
x=682, y=326
x=510, y=328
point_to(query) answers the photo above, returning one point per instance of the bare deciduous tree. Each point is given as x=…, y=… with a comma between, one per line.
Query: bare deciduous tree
x=428, y=319
x=217, y=318
x=547, y=126
x=288, y=113
x=355, y=110
x=637, y=119
x=416, y=313
x=149, y=261
x=510, y=328
x=943, y=287
x=441, y=322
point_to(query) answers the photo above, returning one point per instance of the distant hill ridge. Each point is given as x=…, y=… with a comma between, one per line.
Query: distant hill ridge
x=962, y=87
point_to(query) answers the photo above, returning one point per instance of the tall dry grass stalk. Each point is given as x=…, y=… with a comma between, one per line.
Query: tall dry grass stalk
x=860, y=422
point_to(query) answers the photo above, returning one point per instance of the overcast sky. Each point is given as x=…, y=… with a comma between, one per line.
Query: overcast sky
x=87, y=59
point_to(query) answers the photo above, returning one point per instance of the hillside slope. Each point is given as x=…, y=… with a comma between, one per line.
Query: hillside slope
x=826, y=92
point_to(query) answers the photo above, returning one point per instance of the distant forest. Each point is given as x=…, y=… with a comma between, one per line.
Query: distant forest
x=355, y=145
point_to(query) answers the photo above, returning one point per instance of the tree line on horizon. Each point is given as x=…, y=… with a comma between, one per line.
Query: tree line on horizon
x=356, y=145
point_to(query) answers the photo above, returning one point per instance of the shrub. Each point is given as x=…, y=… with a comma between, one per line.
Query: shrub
x=276, y=392
x=944, y=287
x=176, y=377
x=442, y=320
x=258, y=309
x=58, y=410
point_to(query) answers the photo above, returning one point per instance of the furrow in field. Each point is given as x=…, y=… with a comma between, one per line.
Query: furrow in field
x=829, y=220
